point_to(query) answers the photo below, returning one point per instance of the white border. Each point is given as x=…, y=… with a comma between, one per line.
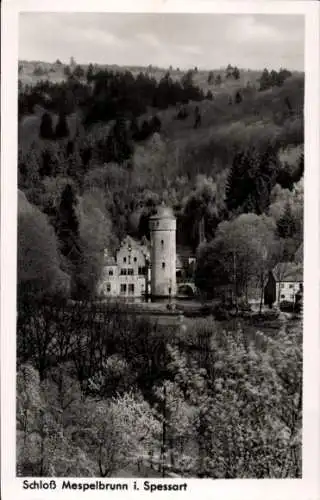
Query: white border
x=308, y=487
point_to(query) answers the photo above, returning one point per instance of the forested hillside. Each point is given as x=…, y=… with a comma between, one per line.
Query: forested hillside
x=100, y=147
x=102, y=391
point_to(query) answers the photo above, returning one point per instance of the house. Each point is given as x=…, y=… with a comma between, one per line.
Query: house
x=127, y=274
x=289, y=281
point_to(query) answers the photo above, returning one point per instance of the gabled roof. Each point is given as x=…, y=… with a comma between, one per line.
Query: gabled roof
x=288, y=271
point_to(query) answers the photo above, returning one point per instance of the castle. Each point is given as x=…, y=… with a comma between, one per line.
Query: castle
x=142, y=269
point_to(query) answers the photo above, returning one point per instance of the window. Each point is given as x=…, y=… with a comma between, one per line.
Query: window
x=110, y=272
x=283, y=296
x=123, y=288
x=162, y=243
x=123, y=272
x=131, y=288
x=129, y=259
x=134, y=259
x=163, y=265
x=290, y=286
x=108, y=288
x=130, y=272
x=292, y=296
x=142, y=270
x=282, y=285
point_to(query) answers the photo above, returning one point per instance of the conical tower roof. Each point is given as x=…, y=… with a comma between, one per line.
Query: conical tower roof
x=163, y=212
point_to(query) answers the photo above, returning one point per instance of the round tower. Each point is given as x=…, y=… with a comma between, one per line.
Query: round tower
x=163, y=253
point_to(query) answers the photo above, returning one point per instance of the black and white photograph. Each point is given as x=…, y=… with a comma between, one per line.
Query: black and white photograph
x=160, y=246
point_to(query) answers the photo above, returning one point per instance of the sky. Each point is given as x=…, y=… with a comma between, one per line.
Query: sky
x=207, y=41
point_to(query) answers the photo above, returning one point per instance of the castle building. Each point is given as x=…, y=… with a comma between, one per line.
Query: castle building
x=128, y=273
x=139, y=269
x=163, y=253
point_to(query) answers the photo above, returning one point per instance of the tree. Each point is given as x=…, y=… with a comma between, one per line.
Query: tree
x=236, y=73
x=218, y=80
x=78, y=72
x=90, y=73
x=229, y=71
x=264, y=80
x=210, y=77
x=248, y=406
x=197, y=117
x=250, y=181
x=67, y=227
x=62, y=129
x=39, y=272
x=240, y=256
x=270, y=291
x=46, y=130
x=95, y=233
x=238, y=97
x=286, y=224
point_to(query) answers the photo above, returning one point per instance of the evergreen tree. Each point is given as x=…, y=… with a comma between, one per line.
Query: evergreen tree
x=286, y=225
x=62, y=129
x=67, y=224
x=229, y=71
x=122, y=147
x=46, y=169
x=46, y=130
x=270, y=291
x=86, y=155
x=218, y=80
x=210, y=78
x=238, y=98
x=134, y=129
x=90, y=73
x=69, y=148
x=264, y=80
x=197, y=117
x=236, y=73
x=251, y=180
x=209, y=95
x=155, y=124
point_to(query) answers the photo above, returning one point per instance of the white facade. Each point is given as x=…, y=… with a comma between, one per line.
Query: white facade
x=128, y=275
x=163, y=253
x=287, y=290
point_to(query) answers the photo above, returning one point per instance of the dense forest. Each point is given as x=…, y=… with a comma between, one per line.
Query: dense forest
x=98, y=389
x=98, y=152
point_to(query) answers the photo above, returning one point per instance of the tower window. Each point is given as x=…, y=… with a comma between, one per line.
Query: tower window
x=134, y=259
x=163, y=265
x=111, y=272
x=162, y=243
x=129, y=259
x=124, y=259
